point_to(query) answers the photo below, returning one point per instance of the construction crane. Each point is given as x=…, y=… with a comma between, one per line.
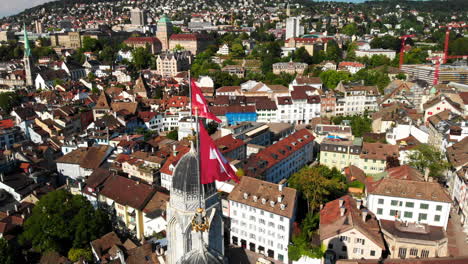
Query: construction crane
x=449, y=27
x=437, y=68
x=402, y=50
x=437, y=60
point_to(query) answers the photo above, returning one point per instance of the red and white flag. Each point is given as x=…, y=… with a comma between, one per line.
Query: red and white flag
x=199, y=103
x=213, y=166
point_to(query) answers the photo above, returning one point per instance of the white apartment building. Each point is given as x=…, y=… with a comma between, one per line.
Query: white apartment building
x=358, y=99
x=262, y=216
x=411, y=201
x=300, y=107
x=223, y=50
x=371, y=52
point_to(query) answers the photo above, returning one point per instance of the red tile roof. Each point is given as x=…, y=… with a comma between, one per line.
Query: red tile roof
x=332, y=223
x=268, y=157
x=228, y=143
x=137, y=40
x=350, y=64
x=6, y=123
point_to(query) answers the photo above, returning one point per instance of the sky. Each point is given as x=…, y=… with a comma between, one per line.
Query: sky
x=11, y=7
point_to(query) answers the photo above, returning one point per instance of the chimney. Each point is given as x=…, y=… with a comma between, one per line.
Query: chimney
x=426, y=174
x=1, y=177
x=430, y=179
x=23, y=216
x=341, y=201
x=8, y=212
x=16, y=207
x=358, y=204
x=29, y=210
x=364, y=215
x=68, y=181
x=80, y=186
x=342, y=210
x=321, y=207
x=174, y=150
x=280, y=187
x=280, y=198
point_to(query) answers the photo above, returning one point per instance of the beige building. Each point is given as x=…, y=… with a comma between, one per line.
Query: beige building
x=169, y=64
x=164, y=31
x=143, y=166
x=70, y=40
x=195, y=43
x=412, y=240
x=152, y=43
x=349, y=231
x=310, y=44
x=289, y=67
x=373, y=157
x=340, y=153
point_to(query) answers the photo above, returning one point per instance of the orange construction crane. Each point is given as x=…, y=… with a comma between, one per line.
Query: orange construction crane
x=449, y=27
x=402, y=49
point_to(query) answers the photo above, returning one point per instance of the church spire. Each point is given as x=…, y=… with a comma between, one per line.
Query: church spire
x=27, y=47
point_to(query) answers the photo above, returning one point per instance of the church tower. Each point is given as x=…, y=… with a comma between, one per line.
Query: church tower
x=164, y=31
x=27, y=60
x=195, y=226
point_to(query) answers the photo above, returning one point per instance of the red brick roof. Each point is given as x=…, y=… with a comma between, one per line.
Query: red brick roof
x=350, y=64
x=6, y=123
x=173, y=160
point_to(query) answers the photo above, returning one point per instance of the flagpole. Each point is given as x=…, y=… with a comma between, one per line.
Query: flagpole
x=190, y=92
x=199, y=157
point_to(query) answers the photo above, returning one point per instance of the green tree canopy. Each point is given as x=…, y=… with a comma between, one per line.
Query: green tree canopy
x=427, y=157
x=350, y=29
x=318, y=185
x=331, y=78
x=9, y=100
x=142, y=58
x=359, y=124
x=6, y=252
x=173, y=135
x=61, y=221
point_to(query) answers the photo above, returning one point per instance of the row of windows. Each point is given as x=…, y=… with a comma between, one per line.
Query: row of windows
x=424, y=206
x=413, y=252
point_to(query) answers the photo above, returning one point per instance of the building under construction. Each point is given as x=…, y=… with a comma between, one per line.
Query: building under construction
x=447, y=73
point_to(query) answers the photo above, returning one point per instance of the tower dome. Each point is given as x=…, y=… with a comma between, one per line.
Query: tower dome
x=185, y=177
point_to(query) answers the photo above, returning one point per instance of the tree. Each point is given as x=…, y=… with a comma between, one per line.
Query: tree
x=302, y=55
x=174, y=135
x=76, y=254
x=386, y=42
x=316, y=184
x=237, y=50
x=426, y=157
x=91, y=44
x=350, y=29
x=331, y=78
x=401, y=76
x=359, y=124
x=61, y=221
x=141, y=58
x=9, y=100
x=459, y=47
x=6, y=253
x=179, y=47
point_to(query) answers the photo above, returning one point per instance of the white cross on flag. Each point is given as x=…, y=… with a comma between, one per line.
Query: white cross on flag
x=199, y=103
x=213, y=166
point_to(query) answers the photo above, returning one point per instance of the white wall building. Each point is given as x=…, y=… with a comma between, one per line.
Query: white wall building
x=294, y=28
x=358, y=99
x=259, y=222
x=412, y=201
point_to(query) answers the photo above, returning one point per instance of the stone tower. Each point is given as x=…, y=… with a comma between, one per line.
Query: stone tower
x=195, y=226
x=164, y=31
x=27, y=60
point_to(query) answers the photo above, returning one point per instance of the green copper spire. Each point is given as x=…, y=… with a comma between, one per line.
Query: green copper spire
x=27, y=48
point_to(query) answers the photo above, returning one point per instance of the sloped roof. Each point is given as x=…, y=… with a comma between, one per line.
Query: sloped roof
x=103, y=102
x=332, y=223
x=128, y=192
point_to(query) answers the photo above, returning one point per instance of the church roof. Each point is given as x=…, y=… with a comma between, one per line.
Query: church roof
x=140, y=85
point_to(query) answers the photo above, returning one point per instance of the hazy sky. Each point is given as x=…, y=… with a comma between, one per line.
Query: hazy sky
x=11, y=7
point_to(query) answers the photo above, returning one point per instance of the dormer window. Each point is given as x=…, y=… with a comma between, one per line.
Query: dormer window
x=272, y=203
x=246, y=195
x=255, y=198
x=282, y=207
x=263, y=201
